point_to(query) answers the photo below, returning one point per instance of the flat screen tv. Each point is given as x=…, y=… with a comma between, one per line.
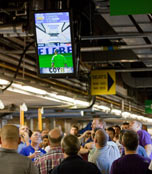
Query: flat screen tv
x=54, y=44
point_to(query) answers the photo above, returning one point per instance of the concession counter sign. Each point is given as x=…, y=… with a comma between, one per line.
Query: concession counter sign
x=128, y=7
x=148, y=106
x=103, y=82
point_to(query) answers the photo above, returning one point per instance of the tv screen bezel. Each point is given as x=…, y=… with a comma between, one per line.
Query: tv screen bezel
x=53, y=75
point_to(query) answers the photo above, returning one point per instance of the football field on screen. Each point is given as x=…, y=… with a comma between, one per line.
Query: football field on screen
x=45, y=60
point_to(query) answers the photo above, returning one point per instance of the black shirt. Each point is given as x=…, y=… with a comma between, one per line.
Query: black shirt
x=75, y=165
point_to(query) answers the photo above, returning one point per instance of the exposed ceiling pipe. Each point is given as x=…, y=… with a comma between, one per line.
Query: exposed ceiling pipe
x=15, y=62
x=122, y=47
x=134, y=70
x=11, y=29
x=136, y=82
x=88, y=49
x=9, y=52
x=118, y=36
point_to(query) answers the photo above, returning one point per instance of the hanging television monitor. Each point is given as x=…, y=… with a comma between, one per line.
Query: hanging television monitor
x=55, y=44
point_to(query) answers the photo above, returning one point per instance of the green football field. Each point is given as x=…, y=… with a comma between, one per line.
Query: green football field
x=45, y=60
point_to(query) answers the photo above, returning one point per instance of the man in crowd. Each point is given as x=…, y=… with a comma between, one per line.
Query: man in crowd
x=54, y=156
x=44, y=132
x=25, y=139
x=74, y=130
x=10, y=161
x=125, y=126
x=33, y=150
x=98, y=123
x=131, y=163
x=111, y=132
x=45, y=142
x=73, y=164
x=144, y=137
x=104, y=154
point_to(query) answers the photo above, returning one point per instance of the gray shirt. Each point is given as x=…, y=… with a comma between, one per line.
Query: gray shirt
x=13, y=163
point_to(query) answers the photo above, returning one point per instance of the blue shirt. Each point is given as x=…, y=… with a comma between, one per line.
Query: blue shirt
x=29, y=150
x=21, y=146
x=105, y=156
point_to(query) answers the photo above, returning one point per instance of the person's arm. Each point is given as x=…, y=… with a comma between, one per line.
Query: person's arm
x=83, y=150
x=26, y=138
x=83, y=135
x=150, y=166
x=148, y=149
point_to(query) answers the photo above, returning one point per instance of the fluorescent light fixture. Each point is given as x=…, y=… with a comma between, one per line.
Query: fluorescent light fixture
x=116, y=111
x=1, y=105
x=134, y=116
x=61, y=97
x=12, y=89
x=4, y=82
x=23, y=107
x=102, y=107
x=81, y=103
x=126, y=114
x=34, y=90
x=30, y=89
x=69, y=99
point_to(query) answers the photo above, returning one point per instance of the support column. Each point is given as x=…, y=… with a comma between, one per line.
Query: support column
x=21, y=117
x=40, y=119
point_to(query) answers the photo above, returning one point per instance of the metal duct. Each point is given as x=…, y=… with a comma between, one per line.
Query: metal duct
x=136, y=82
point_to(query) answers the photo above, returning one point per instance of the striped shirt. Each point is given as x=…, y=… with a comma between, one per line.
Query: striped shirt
x=48, y=161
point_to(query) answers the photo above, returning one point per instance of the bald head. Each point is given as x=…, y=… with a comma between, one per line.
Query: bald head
x=55, y=136
x=10, y=133
x=101, y=138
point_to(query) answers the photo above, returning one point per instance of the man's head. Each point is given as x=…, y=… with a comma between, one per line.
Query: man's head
x=74, y=130
x=130, y=140
x=24, y=129
x=36, y=137
x=125, y=125
x=117, y=129
x=111, y=132
x=135, y=125
x=55, y=136
x=98, y=123
x=101, y=138
x=9, y=136
x=44, y=132
x=70, y=145
x=45, y=141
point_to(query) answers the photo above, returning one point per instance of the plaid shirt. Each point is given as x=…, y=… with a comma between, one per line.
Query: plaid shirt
x=48, y=161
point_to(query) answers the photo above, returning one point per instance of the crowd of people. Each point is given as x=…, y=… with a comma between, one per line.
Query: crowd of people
x=96, y=149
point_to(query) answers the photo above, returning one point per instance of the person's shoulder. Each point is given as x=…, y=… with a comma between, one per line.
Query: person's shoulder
x=141, y=131
x=111, y=143
x=23, y=158
x=142, y=158
x=92, y=167
x=55, y=170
